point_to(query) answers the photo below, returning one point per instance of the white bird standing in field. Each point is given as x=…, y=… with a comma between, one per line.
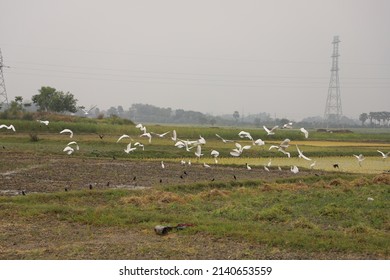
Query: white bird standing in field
x=359, y=158
x=270, y=132
x=248, y=167
x=312, y=165
x=223, y=140
x=205, y=165
x=66, y=130
x=305, y=132
x=162, y=165
x=8, y=127
x=384, y=156
x=294, y=169
x=301, y=155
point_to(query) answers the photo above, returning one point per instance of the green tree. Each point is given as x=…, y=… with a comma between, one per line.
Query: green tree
x=51, y=100
x=363, y=118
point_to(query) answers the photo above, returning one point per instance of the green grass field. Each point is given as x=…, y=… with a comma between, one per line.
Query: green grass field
x=329, y=214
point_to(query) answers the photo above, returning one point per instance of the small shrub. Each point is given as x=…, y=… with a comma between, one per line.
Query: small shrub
x=34, y=137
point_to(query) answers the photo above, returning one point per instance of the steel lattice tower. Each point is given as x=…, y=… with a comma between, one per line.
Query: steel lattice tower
x=333, y=110
x=3, y=92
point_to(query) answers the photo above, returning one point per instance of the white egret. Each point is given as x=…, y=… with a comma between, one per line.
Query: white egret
x=266, y=168
x=282, y=147
x=270, y=132
x=141, y=127
x=162, y=165
x=123, y=136
x=287, y=125
x=239, y=149
x=140, y=145
x=69, y=150
x=8, y=127
x=305, y=132
x=160, y=135
x=243, y=134
x=359, y=158
x=294, y=169
x=269, y=162
x=259, y=142
x=174, y=136
x=43, y=122
x=248, y=167
x=215, y=154
x=206, y=165
x=301, y=155
x=198, y=152
x=384, y=156
x=313, y=164
x=74, y=143
x=129, y=148
x=66, y=130
x=223, y=140
x=148, y=135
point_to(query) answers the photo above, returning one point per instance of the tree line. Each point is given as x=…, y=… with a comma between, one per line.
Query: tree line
x=376, y=118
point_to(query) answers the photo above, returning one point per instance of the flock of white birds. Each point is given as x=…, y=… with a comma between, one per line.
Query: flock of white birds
x=188, y=145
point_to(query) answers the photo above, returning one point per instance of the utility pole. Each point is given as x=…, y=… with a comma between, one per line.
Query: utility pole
x=3, y=91
x=333, y=110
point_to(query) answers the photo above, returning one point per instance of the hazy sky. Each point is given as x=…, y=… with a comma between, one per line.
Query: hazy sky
x=213, y=56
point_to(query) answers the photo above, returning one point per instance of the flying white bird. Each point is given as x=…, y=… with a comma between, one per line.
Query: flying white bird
x=8, y=127
x=305, y=132
x=266, y=168
x=74, y=143
x=69, y=150
x=43, y=122
x=243, y=134
x=201, y=140
x=141, y=127
x=198, y=152
x=66, y=130
x=123, y=136
x=282, y=147
x=360, y=158
x=270, y=132
x=148, y=135
x=215, y=154
x=287, y=125
x=140, y=145
x=160, y=135
x=301, y=155
x=223, y=140
x=239, y=149
x=259, y=142
x=294, y=169
x=129, y=148
x=384, y=156
x=174, y=136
